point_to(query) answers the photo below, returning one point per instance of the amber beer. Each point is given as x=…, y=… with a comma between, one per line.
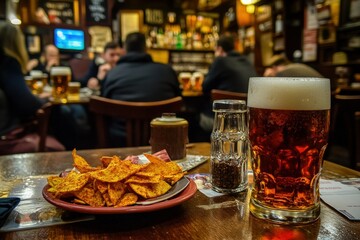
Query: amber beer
x=73, y=91
x=288, y=131
x=60, y=78
x=185, y=81
x=36, y=81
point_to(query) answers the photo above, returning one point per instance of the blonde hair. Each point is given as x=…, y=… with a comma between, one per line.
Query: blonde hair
x=12, y=42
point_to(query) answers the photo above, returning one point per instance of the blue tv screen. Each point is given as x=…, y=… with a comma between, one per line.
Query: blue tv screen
x=69, y=39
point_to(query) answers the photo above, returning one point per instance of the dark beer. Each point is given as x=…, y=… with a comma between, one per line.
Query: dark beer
x=287, y=149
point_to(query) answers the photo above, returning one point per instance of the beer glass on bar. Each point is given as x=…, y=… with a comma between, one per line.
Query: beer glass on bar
x=288, y=130
x=60, y=78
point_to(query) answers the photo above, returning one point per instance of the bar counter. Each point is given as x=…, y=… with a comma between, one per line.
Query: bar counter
x=200, y=217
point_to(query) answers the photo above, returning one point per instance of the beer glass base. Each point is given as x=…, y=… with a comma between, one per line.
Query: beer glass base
x=60, y=100
x=284, y=216
x=240, y=188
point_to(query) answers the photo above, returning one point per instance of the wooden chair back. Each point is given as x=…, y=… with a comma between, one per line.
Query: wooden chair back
x=137, y=117
x=79, y=67
x=38, y=124
x=42, y=121
x=343, y=119
x=217, y=94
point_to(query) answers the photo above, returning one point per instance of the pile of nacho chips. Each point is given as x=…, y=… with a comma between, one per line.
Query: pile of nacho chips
x=116, y=183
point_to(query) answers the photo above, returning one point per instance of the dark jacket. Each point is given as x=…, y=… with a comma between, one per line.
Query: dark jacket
x=18, y=101
x=230, y=73
x=136, y=78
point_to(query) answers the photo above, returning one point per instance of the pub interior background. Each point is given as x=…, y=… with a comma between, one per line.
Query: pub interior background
x=324, y=34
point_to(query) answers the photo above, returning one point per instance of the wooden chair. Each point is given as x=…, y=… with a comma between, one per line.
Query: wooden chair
x=343, y=121
x=38, y=124
x=137, y=117
x=217, y=94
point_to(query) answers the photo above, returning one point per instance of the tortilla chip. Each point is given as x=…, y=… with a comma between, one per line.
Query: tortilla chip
x=154, y=159
x=72, y=182
x=127, y=200
x=101, y=186
x=90, y=196
x=54, y=180
x=105, y=161
x=81, y=164
x=79, y=201
x=107, y=199
x=172, y=179
x=116, y=171
x=116, y=191
x=143, y=179
x=150, y=190
x=173, y=168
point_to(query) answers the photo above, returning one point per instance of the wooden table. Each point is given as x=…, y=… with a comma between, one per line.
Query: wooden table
x=225, y=217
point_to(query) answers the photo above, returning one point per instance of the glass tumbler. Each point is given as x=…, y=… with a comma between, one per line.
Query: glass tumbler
x=229, y=146
x=289, y=122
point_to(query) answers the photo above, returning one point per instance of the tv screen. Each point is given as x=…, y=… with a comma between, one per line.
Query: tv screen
x=69, y=39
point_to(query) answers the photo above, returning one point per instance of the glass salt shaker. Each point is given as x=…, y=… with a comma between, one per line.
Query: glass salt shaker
x=229, y=146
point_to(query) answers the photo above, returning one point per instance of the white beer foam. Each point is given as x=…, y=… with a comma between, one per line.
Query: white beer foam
x=289, y=93
x=36, y=73
x=60, y=71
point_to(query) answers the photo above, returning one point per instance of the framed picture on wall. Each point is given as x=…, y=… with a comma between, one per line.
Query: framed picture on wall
x=56, y=12
x=350, y=12
x=130, y=21
x=33, y=43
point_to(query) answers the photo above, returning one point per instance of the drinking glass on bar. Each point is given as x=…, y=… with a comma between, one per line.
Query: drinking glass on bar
x=60, y=78
x=38, y=83
x=73, y=91
x=198, y=79
x=288, y=130
x=185, y=81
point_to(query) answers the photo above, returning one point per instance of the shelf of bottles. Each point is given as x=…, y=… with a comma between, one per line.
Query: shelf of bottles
x=194, y=32
x=188, y=61
x=190, y=42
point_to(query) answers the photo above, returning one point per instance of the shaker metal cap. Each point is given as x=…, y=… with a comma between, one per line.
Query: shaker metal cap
x=225, y=105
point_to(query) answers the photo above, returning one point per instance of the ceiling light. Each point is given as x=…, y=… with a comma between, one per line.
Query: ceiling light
x=249, y=2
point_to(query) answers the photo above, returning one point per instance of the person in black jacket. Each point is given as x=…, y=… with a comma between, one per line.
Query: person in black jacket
x=230, y=71
x=137, y=78
x=101, y=65
x=20, y=102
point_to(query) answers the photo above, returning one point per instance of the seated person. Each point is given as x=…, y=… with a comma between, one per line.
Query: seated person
x=230, y=71
x=137, y=78
x=100, y=66
x=17, y=103
x=50, y=57
x=280, y=66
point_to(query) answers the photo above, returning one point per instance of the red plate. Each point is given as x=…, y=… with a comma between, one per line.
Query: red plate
x=186, y=194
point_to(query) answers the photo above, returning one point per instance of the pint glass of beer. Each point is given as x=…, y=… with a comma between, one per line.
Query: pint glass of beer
x=39, y=81
x=60, y=78
x=288, y=129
